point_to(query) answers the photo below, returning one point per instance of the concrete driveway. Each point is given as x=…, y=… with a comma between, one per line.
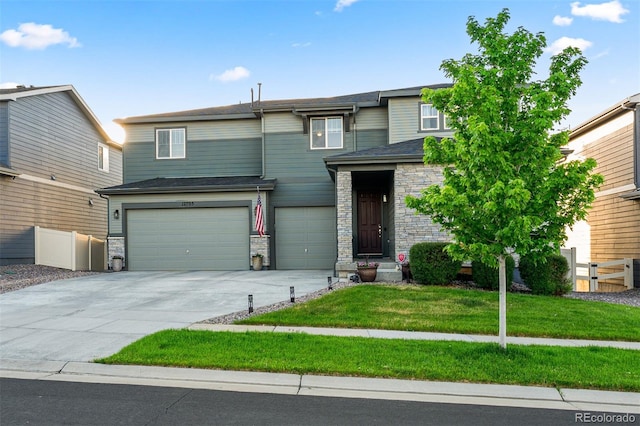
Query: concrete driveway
x=85, y=318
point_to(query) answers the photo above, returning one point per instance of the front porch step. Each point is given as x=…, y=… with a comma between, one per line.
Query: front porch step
x=388, y=275
x=387, y=271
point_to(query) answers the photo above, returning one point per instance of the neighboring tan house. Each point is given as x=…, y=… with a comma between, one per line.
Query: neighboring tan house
x=332, y=173
x=53, y=154
x=612, y=229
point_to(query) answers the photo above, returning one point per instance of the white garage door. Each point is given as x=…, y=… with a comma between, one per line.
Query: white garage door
x=305, y=237
x=188, y=239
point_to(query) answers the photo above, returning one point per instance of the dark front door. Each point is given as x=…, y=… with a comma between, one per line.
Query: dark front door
x=369, y=223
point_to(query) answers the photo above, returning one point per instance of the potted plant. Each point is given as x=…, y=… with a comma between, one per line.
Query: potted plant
x=367, y=271
x=116, y=263
x=256, y=261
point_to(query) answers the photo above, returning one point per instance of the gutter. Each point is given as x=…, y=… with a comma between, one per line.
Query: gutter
x=627, y=104
x=186, y=189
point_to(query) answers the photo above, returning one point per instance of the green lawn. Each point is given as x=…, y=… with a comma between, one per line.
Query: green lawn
x=425, y=308
x=454, y=310
x=583, y=368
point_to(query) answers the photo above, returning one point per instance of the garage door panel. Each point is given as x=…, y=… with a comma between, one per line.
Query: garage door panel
x=305, y=237
x=188, y=239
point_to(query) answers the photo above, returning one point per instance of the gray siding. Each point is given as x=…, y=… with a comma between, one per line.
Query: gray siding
x=25, y=204
x=49, y=134
x=231, y=157
x=404, y=121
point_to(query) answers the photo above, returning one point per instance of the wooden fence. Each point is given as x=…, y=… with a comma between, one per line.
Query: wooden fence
x=593, y=274
x=69, y=250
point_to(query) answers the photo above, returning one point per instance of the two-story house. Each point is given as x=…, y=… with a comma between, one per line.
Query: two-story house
x=612, y=229
x=53, y=154
x=332, y=174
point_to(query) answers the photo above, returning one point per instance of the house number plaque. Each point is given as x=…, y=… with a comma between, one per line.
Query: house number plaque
x=188, y=203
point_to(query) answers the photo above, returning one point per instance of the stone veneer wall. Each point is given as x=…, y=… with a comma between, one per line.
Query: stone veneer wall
x=412, y=228
x=344, y=210
x=261, y=245
x=115, y=246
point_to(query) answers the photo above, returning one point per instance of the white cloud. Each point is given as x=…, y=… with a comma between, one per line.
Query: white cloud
x=36, y=36
x=307, y=44
x=564, y=42
x=9, y=85
x=342, y=4
x=562, y=21
x=611, y=11
x=600, y=55
x=235, y=74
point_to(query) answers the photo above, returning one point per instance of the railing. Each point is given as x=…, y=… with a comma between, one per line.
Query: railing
x=592, y=270
x=69, y=250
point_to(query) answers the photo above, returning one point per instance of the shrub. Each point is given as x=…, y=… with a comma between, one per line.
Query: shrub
x=547, y=276
x=431, y=264
x=487, y=277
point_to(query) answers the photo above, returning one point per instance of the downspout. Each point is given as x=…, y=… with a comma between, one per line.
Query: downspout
x=335, y=201
x=636, y=138
x=263, y=143
x=104, y=197
x=355, y=130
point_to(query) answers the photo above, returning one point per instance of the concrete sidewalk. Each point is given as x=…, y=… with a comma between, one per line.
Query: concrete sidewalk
x=328, y=386
x=415, y=335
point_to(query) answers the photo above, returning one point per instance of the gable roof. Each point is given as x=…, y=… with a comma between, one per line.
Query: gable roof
x=191, y=184
x=23, y=92
x=300, y=105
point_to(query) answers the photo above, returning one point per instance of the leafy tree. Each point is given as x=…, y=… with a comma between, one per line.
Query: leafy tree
x=504, y=189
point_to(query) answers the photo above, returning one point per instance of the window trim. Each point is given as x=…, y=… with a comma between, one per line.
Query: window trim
x=423, y=116
x=105, y=157
x=325, y=119
x=170, y=130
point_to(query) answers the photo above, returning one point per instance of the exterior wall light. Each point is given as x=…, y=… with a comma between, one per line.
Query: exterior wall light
x=116, y=214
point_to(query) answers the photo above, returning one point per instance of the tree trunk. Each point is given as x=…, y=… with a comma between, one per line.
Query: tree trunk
x=503, y=302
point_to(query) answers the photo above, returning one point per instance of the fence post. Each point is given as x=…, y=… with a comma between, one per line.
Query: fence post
x=628, y=273
x=73, y=250
x=593, y=277
x=36, y=233
x=574, y=268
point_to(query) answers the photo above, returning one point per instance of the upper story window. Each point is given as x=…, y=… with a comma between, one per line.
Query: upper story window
x=103, y=157
x=326, y=133
x=170, y=143
x=446, y=124
x=428, y=117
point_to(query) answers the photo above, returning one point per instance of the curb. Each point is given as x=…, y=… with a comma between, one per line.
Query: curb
x=326, y=386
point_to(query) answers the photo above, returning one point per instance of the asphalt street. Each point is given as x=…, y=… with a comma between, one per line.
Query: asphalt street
x=50, y=403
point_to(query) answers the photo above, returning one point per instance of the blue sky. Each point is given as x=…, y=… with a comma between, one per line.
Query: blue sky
x=129, y=58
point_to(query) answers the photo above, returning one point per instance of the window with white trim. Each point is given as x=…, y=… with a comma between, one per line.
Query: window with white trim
x=428, y=117
x=103, y=157
x=446, y=124
x=170, y=143
x=326, y=133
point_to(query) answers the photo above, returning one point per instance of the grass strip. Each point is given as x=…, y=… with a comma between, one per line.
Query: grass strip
x=583, y=368
x=455, y=310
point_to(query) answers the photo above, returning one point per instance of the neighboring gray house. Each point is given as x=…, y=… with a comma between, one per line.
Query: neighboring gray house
x=53, y=154
x=332, y=173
